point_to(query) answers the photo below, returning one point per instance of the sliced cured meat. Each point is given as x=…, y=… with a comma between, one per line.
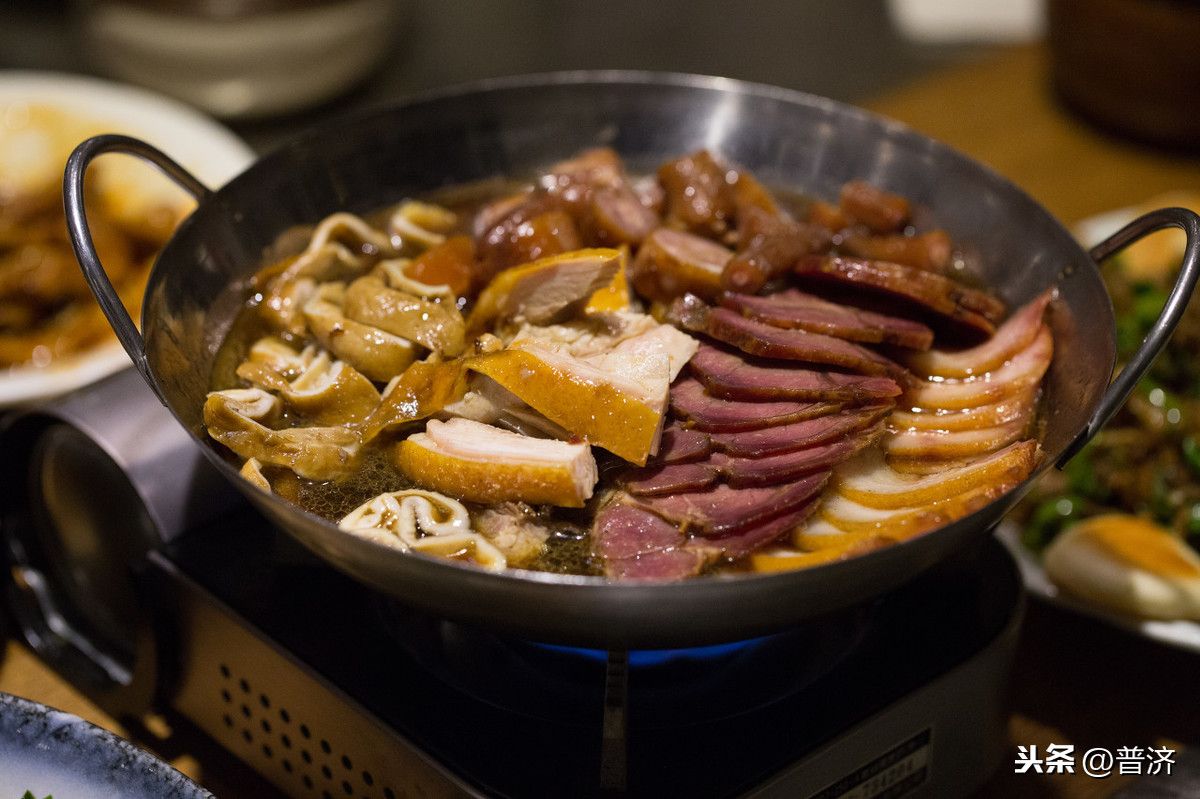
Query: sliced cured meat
x=1019, y=376
x=680, y=445
x=746, y=472
x=753, y=538
x=770, y=244
x=638, y=545
x=714, y=414
x=795, y=309
x=881, y=211
x=1017, y=333
x=671, y=262
x=728, y=376
x=799, y=435
x=723, y=510
x=933, y=293
x=767, y=341
x=929, y=251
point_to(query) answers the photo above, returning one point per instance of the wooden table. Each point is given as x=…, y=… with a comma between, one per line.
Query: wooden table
x=1074, y=681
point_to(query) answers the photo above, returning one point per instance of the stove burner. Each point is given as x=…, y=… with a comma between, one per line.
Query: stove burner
x=656, y=657
x=669, y=687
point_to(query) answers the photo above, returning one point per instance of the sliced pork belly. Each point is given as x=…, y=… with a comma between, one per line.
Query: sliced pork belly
x=480, y=463
x=1016, y=377
x=1015, y=335
x=741, y=472
x=1018, y=406
x=942, y=444
x=726, y=375
x=936, y=294
x=723, y=510
x=795, y=309
x=767, y=341
x=714, y=414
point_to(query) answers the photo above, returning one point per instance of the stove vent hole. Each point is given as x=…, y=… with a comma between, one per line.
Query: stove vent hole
x=320, y=775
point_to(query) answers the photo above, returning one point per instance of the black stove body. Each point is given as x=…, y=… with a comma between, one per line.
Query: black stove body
x=329, y=689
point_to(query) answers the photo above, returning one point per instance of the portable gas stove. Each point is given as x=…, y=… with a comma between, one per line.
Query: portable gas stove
x=329, y=689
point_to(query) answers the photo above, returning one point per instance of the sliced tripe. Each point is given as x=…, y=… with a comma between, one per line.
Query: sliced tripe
x=1016, y=334
x=480, y=463
x=316, y=453
x=868, y=480
x=330, y=392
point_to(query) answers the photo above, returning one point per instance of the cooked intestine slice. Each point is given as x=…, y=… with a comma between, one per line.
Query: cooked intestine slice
x=251, y=472
x=725, y=374
x=1017, y=377
x=437, y=326
x=1016, y=334
x=767, y=341
x=317, y=453
x=376, y=353
x=795, y=309
x=545, y=290
x=422, y=224
x=703, y=411
x=481, y=463
x=423, y=521
x=330, y=392
x=972, y=310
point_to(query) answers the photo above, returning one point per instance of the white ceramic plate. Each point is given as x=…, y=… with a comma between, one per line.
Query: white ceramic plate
x=51, y=753
x=208, y=150
x=1183, y=634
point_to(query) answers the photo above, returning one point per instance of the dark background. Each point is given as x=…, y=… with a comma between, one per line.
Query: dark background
x=844, y=49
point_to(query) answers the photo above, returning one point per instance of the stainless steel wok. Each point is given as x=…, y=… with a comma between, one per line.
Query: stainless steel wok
x=514, y=126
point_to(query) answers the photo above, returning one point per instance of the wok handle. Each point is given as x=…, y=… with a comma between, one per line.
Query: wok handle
x=85, y=248
x=1189, y=273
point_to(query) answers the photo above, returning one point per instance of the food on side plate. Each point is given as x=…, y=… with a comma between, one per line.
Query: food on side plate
x=646, y=378
x=1127, y=564
x=46, y=310
x=1145, y=462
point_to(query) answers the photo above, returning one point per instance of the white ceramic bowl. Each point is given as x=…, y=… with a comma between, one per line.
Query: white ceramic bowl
x=207, y=149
